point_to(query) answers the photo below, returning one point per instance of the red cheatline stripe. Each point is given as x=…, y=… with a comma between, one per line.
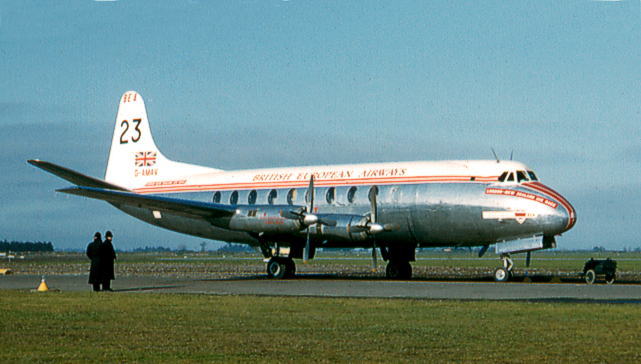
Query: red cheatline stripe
x=540, y=187
x=304, y=183
x=543, y=188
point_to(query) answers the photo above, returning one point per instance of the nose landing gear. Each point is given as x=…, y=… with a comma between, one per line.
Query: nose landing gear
x=504, y=274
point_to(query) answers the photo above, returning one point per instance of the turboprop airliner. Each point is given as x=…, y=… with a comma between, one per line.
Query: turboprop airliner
x=288, y=213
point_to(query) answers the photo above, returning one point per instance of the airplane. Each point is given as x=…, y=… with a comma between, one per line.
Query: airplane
x=288, y=213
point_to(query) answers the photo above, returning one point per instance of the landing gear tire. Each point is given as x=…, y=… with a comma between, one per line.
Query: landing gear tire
x=398, y=270
x=501, y=275
x=392, y=271
x=590, y=276
x=276, y=268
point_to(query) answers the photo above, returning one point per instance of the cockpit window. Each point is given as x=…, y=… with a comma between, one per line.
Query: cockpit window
x=521, y=176
x=532, y=176
x=503, y=176
x=510, y=177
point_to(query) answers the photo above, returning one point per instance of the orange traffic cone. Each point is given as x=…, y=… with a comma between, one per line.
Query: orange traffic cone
x=43, y=286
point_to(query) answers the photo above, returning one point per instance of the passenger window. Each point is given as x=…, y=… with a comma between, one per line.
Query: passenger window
x=291, y=196
x=307, y=196
x=271, y=198
x=372, y=191
x=351, y=194
x=503, y=177
x=521, y=176
x=510, y=177
x=216, y=198
x=532, y=176
x=233, y=199
x=330, y=195
x=251, y=199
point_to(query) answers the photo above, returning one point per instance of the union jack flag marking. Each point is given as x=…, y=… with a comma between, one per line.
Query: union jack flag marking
x=145, y=159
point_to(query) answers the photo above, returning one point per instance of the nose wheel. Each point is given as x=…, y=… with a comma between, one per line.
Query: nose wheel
x=504, y=274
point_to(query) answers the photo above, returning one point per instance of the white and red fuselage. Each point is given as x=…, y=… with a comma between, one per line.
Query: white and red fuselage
x=396, y=207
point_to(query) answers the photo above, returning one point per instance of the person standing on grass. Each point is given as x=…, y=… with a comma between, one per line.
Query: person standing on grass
x=93, y=253
x=107, y=257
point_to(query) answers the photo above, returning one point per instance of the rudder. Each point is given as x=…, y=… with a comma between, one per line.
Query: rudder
x=134, y=158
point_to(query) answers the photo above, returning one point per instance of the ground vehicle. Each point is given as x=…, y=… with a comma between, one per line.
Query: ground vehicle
x=594, y=268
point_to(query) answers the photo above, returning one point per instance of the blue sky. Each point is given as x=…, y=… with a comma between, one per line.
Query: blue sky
x=245, y=84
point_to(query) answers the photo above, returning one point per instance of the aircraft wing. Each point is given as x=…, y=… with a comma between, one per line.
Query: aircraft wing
x=73, y=176
x=187, y=208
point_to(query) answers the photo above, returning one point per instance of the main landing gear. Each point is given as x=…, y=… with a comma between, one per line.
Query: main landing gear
x=504, y=274
x=281, y=267
x=398, y=260
x=398, y=270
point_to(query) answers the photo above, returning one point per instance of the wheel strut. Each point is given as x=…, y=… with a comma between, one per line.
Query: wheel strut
x=508, y=264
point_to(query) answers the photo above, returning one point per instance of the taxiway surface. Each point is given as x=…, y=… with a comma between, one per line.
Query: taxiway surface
x=312, y=286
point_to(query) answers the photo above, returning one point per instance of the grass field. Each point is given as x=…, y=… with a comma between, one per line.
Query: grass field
x=98, y=327
x=86, y=327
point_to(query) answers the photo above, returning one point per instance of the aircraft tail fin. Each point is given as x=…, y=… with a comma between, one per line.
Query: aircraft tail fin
x=134, y=158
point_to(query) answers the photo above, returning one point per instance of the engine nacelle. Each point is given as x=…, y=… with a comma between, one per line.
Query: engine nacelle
x=262, y=219
x=342, y=228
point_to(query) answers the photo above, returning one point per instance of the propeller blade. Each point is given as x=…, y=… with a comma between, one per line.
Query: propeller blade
x=374, y=262
x=306, y=255
x=374, y=208
x=291, y=215
x=310, y=194
x=327, y=221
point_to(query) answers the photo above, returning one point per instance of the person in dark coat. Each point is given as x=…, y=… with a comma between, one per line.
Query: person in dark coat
x=107, y=257
x=93, y=253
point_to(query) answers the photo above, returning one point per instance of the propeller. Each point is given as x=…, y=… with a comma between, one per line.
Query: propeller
x=374, y=228
x=306, y=216
x=309, y=218
x=371, y=227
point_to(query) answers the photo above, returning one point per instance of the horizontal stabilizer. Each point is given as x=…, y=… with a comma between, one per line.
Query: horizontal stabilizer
x=74, y=177
x=191, y=209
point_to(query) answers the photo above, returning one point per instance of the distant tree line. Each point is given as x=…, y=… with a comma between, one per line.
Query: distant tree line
x=20, y=246
x=235, y=248
x=152, y=249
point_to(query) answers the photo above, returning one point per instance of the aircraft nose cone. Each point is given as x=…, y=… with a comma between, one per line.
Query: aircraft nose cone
x=563, y=209
x=566, y=214
x=570, y=216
